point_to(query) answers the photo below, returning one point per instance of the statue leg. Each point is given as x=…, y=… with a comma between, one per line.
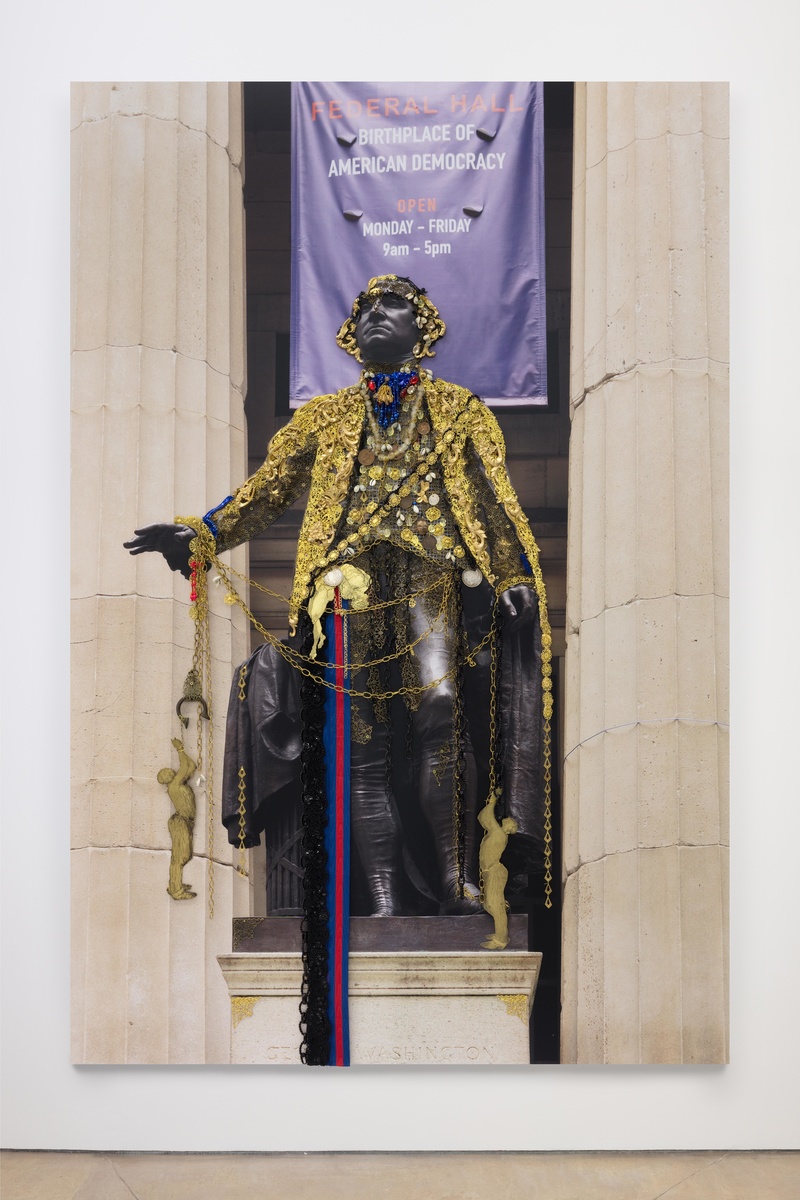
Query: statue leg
x=434, y=758
x=375, y=832
x=180, y=830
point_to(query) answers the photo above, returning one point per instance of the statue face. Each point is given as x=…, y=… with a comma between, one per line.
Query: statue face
x=386, y=331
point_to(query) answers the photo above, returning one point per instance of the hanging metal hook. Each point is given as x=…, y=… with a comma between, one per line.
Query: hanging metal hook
x=192, y=694
x=191, y=699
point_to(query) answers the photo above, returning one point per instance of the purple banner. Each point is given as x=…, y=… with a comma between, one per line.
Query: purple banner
x=444, y=183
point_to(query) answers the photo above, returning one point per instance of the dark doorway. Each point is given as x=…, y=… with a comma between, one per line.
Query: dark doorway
x=537, y=440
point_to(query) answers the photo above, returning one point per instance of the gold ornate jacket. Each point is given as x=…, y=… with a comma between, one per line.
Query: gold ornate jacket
x=318, y=449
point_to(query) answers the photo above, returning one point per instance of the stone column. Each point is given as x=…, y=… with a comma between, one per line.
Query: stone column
x=158, y=429
x=645, y=820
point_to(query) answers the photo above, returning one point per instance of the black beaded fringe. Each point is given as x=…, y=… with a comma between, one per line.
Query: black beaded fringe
x=459, y=788
x=315, y=1025
x=496, y=749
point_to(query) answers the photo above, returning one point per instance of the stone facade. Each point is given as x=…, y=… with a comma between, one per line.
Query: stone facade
x=158, y=428
x=645, y=789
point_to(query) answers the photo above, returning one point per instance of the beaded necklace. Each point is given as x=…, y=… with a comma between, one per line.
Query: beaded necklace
x=384, y=450
x=386, y=392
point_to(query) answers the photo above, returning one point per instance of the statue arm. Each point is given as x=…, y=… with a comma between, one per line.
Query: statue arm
x=512, y=546
x=504, y=544
x=172, y=541
x=281, y=479
x=186, y=766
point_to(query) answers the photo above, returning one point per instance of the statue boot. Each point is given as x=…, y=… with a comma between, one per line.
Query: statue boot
x=434, y=762
x=437, y=804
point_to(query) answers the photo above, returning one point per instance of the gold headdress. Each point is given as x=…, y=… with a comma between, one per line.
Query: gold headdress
x=430, y=324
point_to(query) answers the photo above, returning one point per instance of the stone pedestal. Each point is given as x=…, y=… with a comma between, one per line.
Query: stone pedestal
x=424, y=1006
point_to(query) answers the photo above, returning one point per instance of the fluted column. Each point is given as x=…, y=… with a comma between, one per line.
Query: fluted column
x=158, y=429
x=645, y=791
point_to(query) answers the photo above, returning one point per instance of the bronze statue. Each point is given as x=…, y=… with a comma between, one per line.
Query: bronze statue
x=408, y=485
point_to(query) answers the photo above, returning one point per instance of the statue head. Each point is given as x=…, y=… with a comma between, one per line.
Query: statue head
x=393, y=320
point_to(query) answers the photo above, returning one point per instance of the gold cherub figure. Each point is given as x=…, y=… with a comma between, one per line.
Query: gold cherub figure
x=494, y=875
x=181, y=823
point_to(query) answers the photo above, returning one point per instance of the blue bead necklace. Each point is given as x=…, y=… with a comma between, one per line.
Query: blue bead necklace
x=388, y=391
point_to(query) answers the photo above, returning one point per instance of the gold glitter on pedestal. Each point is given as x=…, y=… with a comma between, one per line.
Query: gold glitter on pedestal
x=241, y=1007
x=516, y=1006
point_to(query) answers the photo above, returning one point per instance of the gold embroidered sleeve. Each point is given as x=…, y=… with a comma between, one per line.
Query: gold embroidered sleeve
x=503, y=542
x=487, y=439
x=281, y=479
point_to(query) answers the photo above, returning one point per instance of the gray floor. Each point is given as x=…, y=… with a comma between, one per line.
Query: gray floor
x=679, y=1175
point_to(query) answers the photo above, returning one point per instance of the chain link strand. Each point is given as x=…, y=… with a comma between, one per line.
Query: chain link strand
x=203, y=548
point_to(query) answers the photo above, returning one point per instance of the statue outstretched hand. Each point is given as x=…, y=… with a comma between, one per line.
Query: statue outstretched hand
x=170, y=540
x=518, y=604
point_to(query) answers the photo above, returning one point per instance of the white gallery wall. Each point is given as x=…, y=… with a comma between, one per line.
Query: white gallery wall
x=49, y=1104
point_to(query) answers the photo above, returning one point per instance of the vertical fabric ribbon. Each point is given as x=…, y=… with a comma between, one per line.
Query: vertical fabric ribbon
x=336, y=739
